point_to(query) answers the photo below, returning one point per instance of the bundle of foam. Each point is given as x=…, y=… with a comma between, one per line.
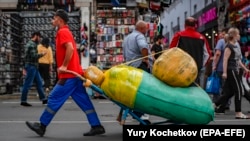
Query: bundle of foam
x=142, y=91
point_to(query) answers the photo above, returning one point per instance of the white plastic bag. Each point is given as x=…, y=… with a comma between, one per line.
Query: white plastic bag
x=245, y=84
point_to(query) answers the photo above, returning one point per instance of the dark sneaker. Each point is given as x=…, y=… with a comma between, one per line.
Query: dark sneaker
x=25, y=104
x=219, y=111
x=37, y=127
x=45, y=101
x=97, y=130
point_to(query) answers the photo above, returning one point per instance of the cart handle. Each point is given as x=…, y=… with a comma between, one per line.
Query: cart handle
x=94, y=87
x=76, y=74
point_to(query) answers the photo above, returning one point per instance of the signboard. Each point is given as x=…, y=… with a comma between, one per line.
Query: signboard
x=207, y=16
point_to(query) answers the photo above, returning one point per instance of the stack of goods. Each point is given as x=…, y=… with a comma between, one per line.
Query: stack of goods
x=142, y=91
x=175, y=67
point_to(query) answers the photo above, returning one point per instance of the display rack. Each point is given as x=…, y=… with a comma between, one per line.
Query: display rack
x=41, y=21
x=10, y=53
x=113, y=24
x=37, y=21
x=15, y=32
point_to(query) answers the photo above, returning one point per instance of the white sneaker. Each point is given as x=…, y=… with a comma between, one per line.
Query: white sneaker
x=145, y=117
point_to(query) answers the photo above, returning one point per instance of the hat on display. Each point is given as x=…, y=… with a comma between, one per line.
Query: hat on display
x=62, y=14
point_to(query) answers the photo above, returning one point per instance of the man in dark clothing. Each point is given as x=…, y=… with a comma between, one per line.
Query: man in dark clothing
x=194, y=43
x=31, y=70
x=157, y=48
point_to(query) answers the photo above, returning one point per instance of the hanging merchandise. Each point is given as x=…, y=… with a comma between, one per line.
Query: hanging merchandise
x=93, y=53
x=69, y=8
x=67, y=5
x=111, y=28
x=155, y=5
x=10, y=51
x=86, y=52
x=115, y=3
x=84, y=42
x=84, y=48
x=245, y=9
x=160, y=29
x=16, y=28
x=165, y=3
x=159, y=25
x=248, y=23
x=83, y=33
x=244, y=13
x=2, y=49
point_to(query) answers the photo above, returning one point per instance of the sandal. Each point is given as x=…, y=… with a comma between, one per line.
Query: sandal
x=242, y=117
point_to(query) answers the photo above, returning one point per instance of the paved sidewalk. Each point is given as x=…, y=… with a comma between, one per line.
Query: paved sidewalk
x=31, y=95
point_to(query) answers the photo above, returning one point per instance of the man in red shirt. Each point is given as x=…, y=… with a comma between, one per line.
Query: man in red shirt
x=68, y=84
x=194, y=43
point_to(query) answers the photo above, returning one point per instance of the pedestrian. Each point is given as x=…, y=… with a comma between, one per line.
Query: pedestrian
x=156, y=49
x=135, y=47
x=233, y=84
x=67, y=58
x=31, y=72
x=45, y=63
x=195, y=44
x=217, y=64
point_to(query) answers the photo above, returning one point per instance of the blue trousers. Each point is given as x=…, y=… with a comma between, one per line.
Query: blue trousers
x=31, y=76
x=60, y=93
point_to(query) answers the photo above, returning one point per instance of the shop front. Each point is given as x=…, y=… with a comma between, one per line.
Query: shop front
x=239, y=16
x=207, y=23
x=19, y=19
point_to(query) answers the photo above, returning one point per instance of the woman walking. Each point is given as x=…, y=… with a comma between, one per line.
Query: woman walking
x=233, y=84
x=45, y=62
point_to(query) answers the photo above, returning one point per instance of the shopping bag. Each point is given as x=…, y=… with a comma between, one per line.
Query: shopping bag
x=247, y=76
x=245, y=79
x=245, y=84
x=213, y=84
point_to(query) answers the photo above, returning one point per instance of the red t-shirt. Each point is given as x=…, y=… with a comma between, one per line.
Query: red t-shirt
x=63, y=36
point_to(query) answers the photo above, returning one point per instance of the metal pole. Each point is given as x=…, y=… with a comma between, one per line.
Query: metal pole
x=213, y=38
x=190, y=6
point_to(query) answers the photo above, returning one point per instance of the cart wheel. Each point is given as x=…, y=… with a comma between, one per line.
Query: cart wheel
x=147, y=122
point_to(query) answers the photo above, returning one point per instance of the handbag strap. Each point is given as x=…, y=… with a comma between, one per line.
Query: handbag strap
x=214, y=74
